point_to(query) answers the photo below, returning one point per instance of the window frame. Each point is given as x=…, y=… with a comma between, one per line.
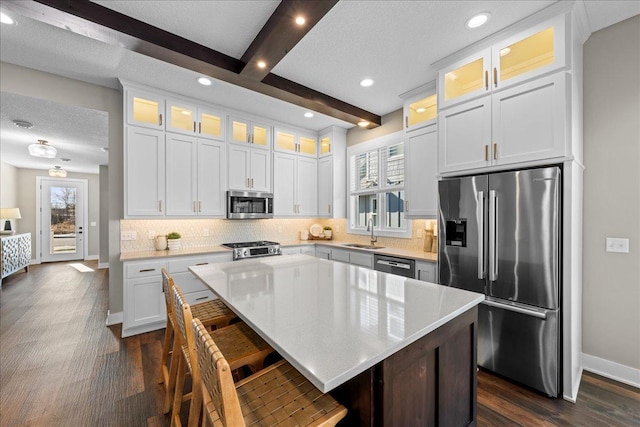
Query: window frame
x=381, y=190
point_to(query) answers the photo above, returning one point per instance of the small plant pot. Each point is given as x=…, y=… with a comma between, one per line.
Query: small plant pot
x=174, y=244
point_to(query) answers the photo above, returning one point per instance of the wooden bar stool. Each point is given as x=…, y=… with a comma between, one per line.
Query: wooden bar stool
x=212, y=314
x=276, y=396
x=240, y=344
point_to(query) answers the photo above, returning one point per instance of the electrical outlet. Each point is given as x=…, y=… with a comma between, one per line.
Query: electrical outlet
x=617, y=245
x=128, y=235
x=152, y=234
x=205, y=232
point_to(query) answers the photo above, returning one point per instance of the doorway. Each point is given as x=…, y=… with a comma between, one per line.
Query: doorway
x=63, y=211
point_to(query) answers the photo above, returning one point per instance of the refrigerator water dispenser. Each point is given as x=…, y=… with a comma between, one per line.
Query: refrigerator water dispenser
x=456, y=232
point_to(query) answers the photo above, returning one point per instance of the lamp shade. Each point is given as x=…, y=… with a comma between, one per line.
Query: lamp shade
x=10, y=213
x=41, y=149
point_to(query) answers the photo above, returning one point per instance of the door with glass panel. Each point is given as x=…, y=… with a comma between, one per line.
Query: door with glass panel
x=63, y=205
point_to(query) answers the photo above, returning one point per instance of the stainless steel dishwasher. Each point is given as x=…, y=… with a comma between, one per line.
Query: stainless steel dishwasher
x=394, y=265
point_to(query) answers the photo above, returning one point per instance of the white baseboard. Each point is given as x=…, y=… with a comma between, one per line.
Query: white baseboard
x=114, y=318
x=34, y=262
x=102, y=265
x=612, y=370
x=576, y=386
x=91, y=258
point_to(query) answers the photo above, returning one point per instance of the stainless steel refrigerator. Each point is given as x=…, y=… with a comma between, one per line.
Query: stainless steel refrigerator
x=500, y=235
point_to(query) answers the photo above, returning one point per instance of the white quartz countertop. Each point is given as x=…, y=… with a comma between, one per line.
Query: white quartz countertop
x=332, y=320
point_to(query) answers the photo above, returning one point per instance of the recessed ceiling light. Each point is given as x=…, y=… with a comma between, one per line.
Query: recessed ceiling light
x=300, y=20
x=262, y=64
x=308, y=114
x=204, y=81
x=505, y=51
x=478, y=20
x=366, y=82
x=363, y=123
x=6, y=19
x=23, y=124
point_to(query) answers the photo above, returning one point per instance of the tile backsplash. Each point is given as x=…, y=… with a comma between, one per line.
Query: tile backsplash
x=201, y=233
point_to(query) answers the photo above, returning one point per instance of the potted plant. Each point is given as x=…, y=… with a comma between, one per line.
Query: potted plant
x=173, y=240
x=327, y=232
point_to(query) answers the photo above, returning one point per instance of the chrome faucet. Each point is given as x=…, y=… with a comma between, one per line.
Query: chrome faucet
x=374, y=239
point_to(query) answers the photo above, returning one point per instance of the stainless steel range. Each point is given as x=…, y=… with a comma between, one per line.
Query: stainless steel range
x=244, y=250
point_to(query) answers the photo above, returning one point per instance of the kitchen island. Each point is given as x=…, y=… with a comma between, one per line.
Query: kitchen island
x=395, y=351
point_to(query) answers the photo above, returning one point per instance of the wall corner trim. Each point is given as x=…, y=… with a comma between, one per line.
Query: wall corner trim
x=114, y=318
x=612, y=370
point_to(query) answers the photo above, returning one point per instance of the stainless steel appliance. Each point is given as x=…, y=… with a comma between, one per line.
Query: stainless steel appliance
x=394, y=265
x=500, y=235
x=244, y=250
x=249, y=205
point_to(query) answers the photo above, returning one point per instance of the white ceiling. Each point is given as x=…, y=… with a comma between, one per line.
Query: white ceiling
x=392, y=42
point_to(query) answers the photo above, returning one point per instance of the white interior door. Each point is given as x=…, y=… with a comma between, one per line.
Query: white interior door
x=63, y=206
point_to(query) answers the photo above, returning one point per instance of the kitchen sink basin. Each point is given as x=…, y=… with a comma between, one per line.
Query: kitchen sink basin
x=361, y=246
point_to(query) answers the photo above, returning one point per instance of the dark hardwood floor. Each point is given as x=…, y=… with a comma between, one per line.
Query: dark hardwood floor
x=61, y=366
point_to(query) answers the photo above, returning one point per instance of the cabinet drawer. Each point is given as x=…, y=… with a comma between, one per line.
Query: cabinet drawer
x=338, y=255
x=181, y=265
x=199, y=297
x=187, y=282
x=145, y=269
x=363, y=260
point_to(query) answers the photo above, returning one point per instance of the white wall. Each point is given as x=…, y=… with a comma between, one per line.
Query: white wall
x=611, y=281
x=104, y=217
x=9, y=192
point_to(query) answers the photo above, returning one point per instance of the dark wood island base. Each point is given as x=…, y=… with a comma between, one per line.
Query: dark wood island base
x=431, y=382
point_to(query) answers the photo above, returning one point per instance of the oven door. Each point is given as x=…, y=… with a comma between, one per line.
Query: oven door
x=249, y=205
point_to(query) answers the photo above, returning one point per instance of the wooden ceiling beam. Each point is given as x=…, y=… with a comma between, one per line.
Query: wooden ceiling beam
x=281, y=33
x=97, y=22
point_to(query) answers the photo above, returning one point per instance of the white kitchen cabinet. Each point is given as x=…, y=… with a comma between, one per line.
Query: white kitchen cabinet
x=421, y=170
x=295, y=185
x=144, y=168
x=144, y=304
x=362, y=259
x=190, y=119
x=332, y=173
x=244, y=131
x=301, y=143
x=420, y=110
x=323, y=252
x=426, y=271
x=522, y=123
x=526, y=55
x=249, y=169
x=325, y=186
x=144, y=108
x=196, y=176
x=303, y=249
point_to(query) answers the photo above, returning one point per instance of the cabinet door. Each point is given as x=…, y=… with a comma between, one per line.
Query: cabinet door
x=260, y=165
x=465, y=79
x=307, y=145
x=420, y=111
x=238, y=167
x=260, y=135
x=325, y=186
x=307, y=186
x=239, y=130
x=285, y=141
x=144, y=172
x=325, y=145
x=211, y=124
x=363, y=260
x=181, y=175
x=211, y=178
x=529, y=120
x=323, y=252
x=464, y=136
x=421, y=168
x=145, y=109
x=284, y=168
x=145, y=302
x=340, y=255
x=426, y=271
x=181, y=117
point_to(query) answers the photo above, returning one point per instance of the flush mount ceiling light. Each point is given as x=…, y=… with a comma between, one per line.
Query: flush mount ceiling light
x=308, y=114
x=41, y=149
x=6, y=19
x=300, y=20
x=366, y=82
x=363, y=123
x=478, y=20
x=57, y=172
x=23, y=124
x=262, y=64
x=204, y=81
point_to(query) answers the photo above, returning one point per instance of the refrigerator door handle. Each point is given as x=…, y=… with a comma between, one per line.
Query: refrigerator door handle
x=516, y=309
x=493, y=200
x=480, y=219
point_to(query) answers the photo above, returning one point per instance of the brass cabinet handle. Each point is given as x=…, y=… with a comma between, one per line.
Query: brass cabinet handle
x=486, y=80
x=160, y=205
x=248, y=183
x=406, y=121
x=201, y=298
x=495, y=151
x=495, y=77
x=199, y=127
x=329, y=207
x=160, y=119
x=202, y=263
x=194, y=126
x=406, y=206
x=486, y=153
x=200, y=206
x=146, y=270
x=194, y=205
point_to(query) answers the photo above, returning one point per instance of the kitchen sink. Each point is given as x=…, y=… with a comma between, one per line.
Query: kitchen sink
x=361, y=246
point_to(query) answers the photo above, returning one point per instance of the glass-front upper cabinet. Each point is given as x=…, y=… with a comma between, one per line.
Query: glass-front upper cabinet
x=145, y=109
x=325, y=145
x=293, y=142
x=210, y=124
x=246, y=131
x=420, y=110
x=191, y=120
x=285, y=141
x=307, y=144
x=538, y=50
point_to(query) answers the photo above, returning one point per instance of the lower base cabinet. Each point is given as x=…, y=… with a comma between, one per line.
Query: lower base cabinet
x=426, y=271
x=144, y=301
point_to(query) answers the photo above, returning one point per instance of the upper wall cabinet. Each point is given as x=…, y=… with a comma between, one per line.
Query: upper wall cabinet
x=332, y=173
x=245, y=131
x=288, y=141
x=419, y=111
x=145, y=109
x=189, y=119
x=526, y=55
x=144, y=172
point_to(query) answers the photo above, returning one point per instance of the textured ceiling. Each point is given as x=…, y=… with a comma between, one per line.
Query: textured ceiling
x=393, y=42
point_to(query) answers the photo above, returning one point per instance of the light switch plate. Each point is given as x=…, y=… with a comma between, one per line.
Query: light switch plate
x=128, y=235
x=152, y=234
x=615, y=244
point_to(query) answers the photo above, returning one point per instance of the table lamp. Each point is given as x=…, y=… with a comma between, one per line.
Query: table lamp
x=8, y=214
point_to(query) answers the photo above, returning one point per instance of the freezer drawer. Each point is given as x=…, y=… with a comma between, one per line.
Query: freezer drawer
x=520, y=343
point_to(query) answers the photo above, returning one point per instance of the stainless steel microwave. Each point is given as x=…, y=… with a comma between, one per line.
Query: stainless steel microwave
x=249, y=205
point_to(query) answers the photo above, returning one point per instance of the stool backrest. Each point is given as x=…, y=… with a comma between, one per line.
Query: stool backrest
x=217, y=382
x=183, y=316
x=167, y=288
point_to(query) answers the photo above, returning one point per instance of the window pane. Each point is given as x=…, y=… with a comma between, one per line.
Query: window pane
x=63, y=220
x=367, y=166
x=394, y=164
x=366, y=207
x=395, y=210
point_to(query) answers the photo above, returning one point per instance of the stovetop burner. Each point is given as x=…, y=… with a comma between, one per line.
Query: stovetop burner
x=258, y=248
